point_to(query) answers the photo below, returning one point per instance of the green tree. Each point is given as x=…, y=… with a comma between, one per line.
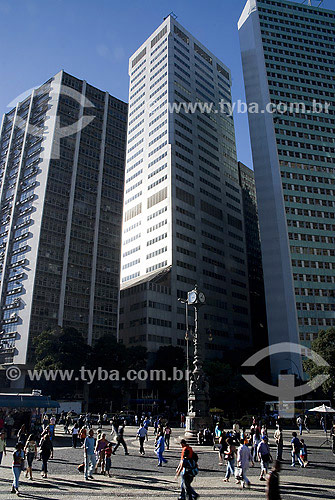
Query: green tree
x=324, y=345
x=114, y=359
x=60, y=349
x=171, y=392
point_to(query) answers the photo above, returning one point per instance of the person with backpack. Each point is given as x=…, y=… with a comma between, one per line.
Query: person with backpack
x=295, y=449
x=188, y=468
x=185, y=448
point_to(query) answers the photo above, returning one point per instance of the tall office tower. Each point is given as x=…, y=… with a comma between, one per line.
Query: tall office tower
x=62, y=154
x=288, y=55
x=183, y=219
x=254, y=256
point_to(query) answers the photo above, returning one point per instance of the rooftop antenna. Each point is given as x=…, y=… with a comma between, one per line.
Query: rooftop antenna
x=310, y=3
x=172, y=14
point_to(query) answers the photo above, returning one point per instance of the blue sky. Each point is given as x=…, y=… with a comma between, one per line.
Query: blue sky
x=92, y=39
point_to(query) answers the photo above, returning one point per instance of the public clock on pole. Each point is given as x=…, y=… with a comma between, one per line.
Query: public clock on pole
x=192, y=297
x=195, y=297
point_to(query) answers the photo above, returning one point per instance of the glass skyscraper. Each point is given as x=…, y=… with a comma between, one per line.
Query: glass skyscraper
x=183, y=221
x=62, y=153
x=288, y=56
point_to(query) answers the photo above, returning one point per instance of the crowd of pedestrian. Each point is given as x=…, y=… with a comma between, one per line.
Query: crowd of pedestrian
x=239, y=448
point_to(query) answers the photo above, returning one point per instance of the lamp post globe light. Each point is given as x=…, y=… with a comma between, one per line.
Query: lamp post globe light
x=198, y=388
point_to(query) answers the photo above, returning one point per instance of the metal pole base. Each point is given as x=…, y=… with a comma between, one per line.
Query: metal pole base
x=195, y=424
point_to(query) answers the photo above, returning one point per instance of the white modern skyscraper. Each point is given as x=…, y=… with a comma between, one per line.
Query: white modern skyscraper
x=182, y=204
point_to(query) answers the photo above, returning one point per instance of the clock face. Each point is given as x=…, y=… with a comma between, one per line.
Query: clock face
x=202, y=297
x=192, y=297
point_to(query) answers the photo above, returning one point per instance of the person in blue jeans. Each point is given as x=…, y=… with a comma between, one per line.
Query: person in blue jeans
x=186, y=469
x=295, y=452
x=18, y=458
x=230, y=454
x=89, y=455
x=159, y=449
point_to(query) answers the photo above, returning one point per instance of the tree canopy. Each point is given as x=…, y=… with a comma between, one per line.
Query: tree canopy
x=324, y=345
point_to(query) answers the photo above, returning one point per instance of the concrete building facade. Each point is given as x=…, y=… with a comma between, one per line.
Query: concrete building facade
x=288, y=57
x=62, y=153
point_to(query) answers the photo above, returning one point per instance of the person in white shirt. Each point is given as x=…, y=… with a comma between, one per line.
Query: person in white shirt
x=142, y=434
x=243, y=461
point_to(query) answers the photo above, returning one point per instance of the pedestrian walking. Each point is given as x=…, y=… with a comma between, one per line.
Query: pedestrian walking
x=9, y=422
x=120, y=440
x=230, y=455
x=46, y=448
x=300, y=424
x=306, y=423
x=167, y=436
x=2, y=445
x=244, y=459
x=303, y=454
x=256, y=439
x=75, y=433
x=272, y=485
x=22, y=435
x=185, y=449
x=115, y=425
x=142, y=435
x=30, y=451
x=295, y=449
x=188, y=469
x=264, y=456
x=102, y=444
x=108, y=458
x=83, y=435
x=279, y=439
x=222, y=446
x=18, y=460
x=332, y=434
x=89, y=455
x=159, y=449
x=68, y=422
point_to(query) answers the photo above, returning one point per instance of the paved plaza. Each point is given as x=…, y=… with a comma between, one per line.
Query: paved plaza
x=136, y=477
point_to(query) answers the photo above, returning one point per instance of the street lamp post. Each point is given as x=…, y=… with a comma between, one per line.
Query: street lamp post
x=198, y=389
x=187, y=338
